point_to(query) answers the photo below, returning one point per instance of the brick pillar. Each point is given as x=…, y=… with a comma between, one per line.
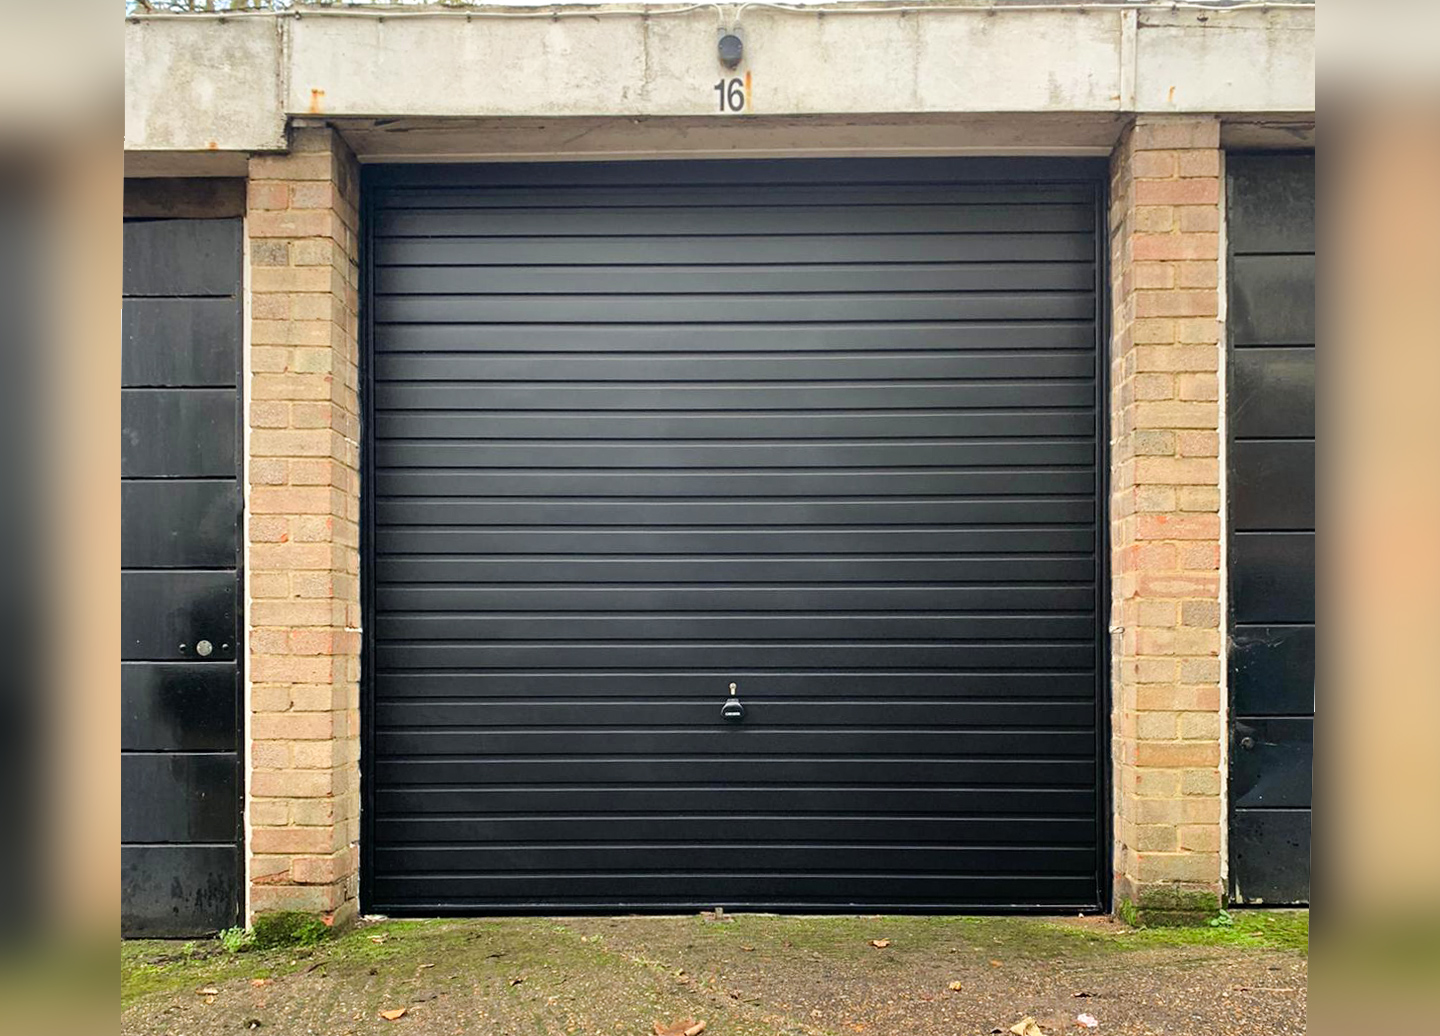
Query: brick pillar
x=304, y=507
x=1165, y=517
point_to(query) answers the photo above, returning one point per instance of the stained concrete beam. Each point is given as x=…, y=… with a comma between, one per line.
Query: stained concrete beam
x=209, y=84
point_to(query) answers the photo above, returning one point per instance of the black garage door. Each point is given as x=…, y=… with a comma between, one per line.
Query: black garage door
x=824, y=431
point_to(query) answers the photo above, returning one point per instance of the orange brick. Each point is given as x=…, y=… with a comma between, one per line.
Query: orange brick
x=1158, y=133
x=1198, y=219
x=1155, y=219
x=1173, y=698
x=1177, y=754
x=1176, y=415
x=1200, y=162
x=1178, y=585
x=1176, y=246
x=1198, y=498
x=1196, y=274
x=1199, y=387
x=1199, y=557
x=1178, y=526
x=1154, y=275
x=1176, y=303
x=1199, y=191
x=1198, y=444
x=1197, y=330
x=261, y=194
x=291, y=784
x=1177, y=357
x=1175, y=471
x=269, y=414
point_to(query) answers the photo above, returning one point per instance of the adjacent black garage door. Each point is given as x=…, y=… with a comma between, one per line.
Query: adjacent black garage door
x=180, y=765
x=1272, y=523
x=826, y=431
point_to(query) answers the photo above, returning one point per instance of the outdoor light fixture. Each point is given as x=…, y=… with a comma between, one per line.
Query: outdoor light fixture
x=732, y=48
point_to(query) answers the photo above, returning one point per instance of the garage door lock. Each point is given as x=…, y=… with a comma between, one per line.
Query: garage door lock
x=732, y=710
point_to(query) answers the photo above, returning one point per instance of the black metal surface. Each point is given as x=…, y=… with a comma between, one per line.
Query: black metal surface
x=180, y=521
x=176, y=522
x=178, y=797
x=173, y=891
x=178, y=707
x=1270, y=856
x=1272, y=762
x=1271, y=422
x=1272, y=670
x=164, y=615
x=825, y=430
x=178, y=433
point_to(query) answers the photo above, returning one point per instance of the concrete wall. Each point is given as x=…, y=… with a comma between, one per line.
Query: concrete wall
x=198, y=84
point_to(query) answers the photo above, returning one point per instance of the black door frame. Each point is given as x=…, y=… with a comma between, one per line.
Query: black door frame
x=1094, y=172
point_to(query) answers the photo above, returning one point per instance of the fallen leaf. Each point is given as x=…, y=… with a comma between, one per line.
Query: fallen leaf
x=748, y=949
x=879, y=944
x=253, y=1023
x=207, y=991
x=955, y=987
x=1026, y=1027
x=681, y=1027
x=422, y=967
x=994, y=963
x=1082, y=993
x=1087, y=1021
x=517, y=980
x=258, y=982
x=376, y=938
x=394, y=1014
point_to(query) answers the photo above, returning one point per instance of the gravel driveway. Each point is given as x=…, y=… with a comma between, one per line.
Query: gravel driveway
x=742, y=975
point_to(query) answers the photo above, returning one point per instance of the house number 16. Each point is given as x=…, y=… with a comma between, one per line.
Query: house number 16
x=734, y=94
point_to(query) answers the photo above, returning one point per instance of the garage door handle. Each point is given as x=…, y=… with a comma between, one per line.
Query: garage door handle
x=732, y=710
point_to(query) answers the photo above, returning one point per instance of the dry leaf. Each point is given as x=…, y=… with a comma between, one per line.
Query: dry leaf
x=257, y=982
x=955, y=987
x=879, y=944
x=682, y=1027
x=376, y=938
x=1026, y=1027
x=207, y=991
x=994, y=963
x=1087, y=1021
x=394, y=1014
x=422, y=967
x=748, y=949
x=517, y=980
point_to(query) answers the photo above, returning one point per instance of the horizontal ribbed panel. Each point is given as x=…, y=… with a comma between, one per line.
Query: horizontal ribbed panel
x=827, y=431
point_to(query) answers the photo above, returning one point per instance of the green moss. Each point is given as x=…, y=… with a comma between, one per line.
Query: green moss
x=1128, y=912
x=1253, y=929
x=288, y=928
x=1170, y=907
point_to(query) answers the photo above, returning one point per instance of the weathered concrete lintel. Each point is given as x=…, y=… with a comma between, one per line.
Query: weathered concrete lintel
x=198, y=85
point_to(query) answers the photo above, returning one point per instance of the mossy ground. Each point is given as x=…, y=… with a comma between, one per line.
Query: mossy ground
x=747, y=975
